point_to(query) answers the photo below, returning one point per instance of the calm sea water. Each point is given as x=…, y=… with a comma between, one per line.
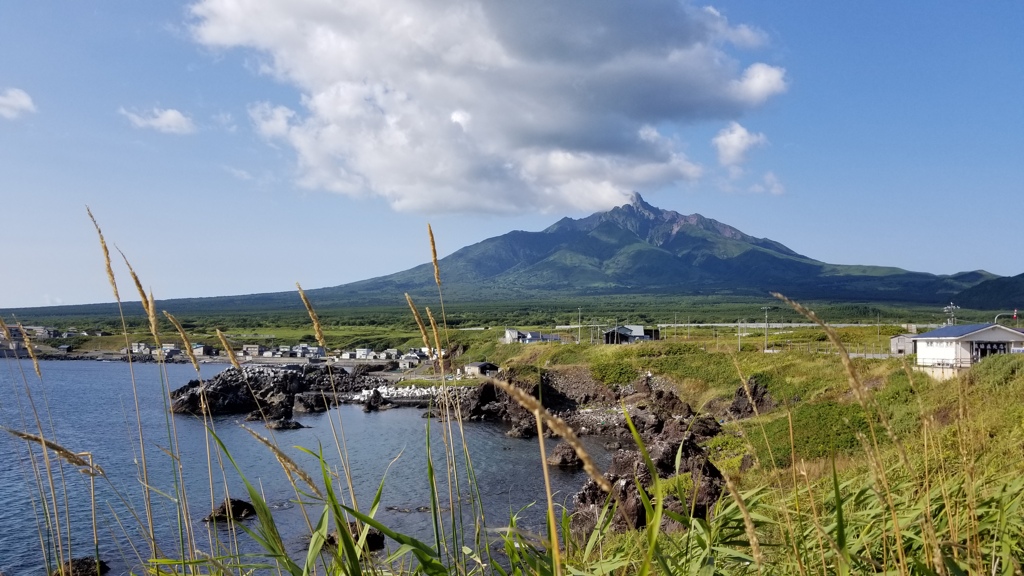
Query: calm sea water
x=89, y=407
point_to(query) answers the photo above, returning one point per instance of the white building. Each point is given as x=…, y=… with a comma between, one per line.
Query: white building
x=251, y=351
x=960, y=346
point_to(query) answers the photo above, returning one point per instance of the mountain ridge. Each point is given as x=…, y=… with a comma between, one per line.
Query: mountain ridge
x=639, y=248
x=634, y=248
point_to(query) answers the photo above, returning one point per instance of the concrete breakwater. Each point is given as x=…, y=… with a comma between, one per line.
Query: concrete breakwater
x=414, y=396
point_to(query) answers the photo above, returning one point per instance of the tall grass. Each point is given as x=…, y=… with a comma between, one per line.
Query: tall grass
x=924, y=499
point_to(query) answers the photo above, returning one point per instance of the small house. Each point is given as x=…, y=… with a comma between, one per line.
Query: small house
x=408, y=361
x=629, y=333
x=480, y=369
x=253, y=350
x=902, y=344
x=960, y=346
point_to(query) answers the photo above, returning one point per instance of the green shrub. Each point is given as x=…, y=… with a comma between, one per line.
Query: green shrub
x=568, y=355
x=999, y=370
x=614, y=372
x=898, y=400
x=819, y=429
x=523, y=374
x=726, y=450
x=658, y=349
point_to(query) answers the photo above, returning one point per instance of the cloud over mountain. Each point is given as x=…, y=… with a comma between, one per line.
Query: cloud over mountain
x=491, y=105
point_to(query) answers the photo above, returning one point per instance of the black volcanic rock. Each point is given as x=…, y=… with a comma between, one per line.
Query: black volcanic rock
x=231, y=509
x=284, y=425
x=85, y=566
x=742, y=407
x=628, y=475
x=268, y=393
x=564, y=456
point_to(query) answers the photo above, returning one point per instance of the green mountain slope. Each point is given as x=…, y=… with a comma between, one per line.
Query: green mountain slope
x=635, y=248
x=994, y=294
x=638, y=248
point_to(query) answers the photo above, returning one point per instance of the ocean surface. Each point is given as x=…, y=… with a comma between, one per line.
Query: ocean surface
x=89, y=407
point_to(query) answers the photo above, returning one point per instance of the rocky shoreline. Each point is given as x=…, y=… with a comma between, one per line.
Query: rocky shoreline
x=275, y=394
x=668, y=426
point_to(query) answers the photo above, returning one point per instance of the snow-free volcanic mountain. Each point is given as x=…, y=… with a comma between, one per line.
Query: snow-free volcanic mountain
x=635, y=248
x=638, y=248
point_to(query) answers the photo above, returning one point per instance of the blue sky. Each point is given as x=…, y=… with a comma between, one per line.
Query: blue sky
x=232, y=147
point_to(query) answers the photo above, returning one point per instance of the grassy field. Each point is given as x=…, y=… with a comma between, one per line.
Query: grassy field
x=868, y=466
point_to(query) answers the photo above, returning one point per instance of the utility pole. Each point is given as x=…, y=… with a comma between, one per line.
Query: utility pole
x=739, y=345
x=579, y=325
x=766, y=309
x=878, y=332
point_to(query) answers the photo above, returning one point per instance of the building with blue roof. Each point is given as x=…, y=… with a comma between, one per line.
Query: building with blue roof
x=961, y=345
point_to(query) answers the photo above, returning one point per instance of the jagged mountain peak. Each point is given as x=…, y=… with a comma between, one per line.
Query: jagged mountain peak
x=659, y=227
x=636, y=201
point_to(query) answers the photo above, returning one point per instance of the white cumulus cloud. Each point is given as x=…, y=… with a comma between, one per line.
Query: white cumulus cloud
x=15, y=102
x=732, y=143
x=491, y=105
x=759, y=83
x=167, y=120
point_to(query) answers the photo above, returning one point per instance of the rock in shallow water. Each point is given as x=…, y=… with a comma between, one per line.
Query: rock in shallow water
x=83, y=567
x=284, y=425
x=232, y=509
x=564, y=456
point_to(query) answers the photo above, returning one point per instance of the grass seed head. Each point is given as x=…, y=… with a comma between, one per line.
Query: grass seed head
x=433, y=256
x=31, y=350
x=106, y=255
x=135, y=279
x=419, y=321
x=5, y=330
x=437, y=336
x=229, y=350
x=317, y=328
x=67, y=455
x=148, y=303
x=184, y=338
x=289, y=465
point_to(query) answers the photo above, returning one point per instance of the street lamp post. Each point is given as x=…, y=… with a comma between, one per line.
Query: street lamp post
x=996, y=320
